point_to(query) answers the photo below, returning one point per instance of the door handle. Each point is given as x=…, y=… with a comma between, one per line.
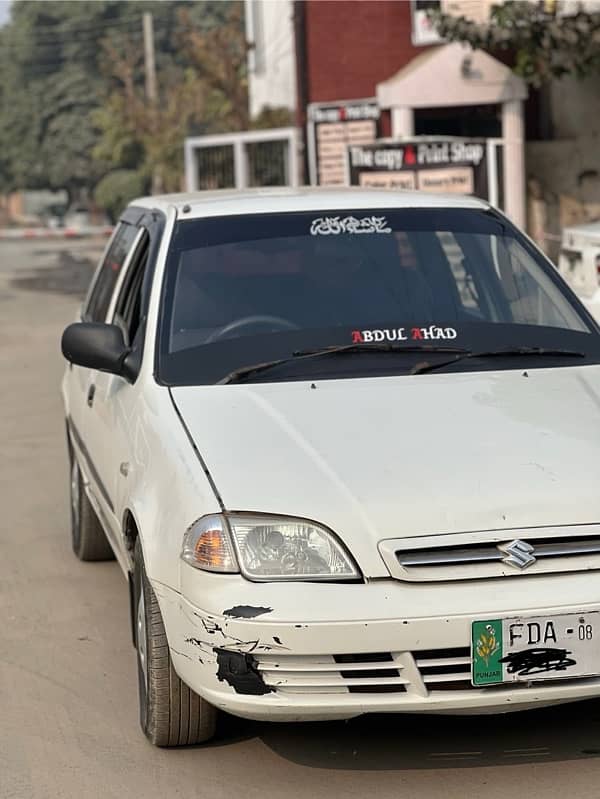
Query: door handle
x=90, y=395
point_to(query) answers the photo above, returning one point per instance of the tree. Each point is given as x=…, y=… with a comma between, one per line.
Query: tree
x=72, y=105
x=273, y=117
x=130, y=124
x=201, y=87
x=219, y=56
x=545, y=44
x=118, y=188
x=48, y=58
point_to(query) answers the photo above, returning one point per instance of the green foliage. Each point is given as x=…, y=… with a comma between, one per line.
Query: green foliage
x=545, y=45
x=118, y=188
x=50, y=84
x=72, y=101
x=273, y=117
x=218, y=56
x=201, y=89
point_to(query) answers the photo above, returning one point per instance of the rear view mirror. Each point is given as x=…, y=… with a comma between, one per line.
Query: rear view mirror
x=96, y=346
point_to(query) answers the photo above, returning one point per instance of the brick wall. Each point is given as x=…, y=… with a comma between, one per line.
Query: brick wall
x=351, y=47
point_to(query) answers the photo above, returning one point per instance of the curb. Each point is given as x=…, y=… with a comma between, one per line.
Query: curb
x=53, y=233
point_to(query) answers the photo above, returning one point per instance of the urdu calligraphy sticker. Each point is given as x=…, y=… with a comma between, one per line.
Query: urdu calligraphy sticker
x=334, y=225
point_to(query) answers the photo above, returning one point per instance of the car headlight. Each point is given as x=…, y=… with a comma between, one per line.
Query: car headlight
x=267, y=548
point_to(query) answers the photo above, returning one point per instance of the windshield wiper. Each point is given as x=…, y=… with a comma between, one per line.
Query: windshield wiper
x=426, y=366
x=379, y=347
x=246, y=371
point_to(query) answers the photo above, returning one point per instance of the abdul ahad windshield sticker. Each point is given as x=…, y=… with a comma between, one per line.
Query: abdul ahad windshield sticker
x=428, y=333
x=334, y=225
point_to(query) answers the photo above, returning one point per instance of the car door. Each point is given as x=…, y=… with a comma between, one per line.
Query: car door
x=112, y=432
x=78, y=379
x=80, y=382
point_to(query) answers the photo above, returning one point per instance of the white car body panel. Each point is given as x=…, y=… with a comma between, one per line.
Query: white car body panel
x=164, y=489
x=351, y=453
x=265, y=201
x=307, y=627
x=373, y=459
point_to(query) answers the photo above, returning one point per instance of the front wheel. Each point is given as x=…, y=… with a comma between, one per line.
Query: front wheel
x=171, y=714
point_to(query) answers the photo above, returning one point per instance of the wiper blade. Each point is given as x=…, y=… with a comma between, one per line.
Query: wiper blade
x=247, y=371
x=426, y=366
x=379, y=347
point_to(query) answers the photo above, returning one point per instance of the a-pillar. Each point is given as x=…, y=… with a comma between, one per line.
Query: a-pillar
x=403, y=122
x=514, y=161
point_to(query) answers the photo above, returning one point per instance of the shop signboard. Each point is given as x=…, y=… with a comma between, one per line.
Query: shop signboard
x=447, y=165
x=332, y=127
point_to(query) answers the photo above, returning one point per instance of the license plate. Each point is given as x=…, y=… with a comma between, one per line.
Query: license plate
x=528, y=648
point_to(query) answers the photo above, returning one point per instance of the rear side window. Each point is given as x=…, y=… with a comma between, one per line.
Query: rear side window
x=109, y=273
x=128, y=307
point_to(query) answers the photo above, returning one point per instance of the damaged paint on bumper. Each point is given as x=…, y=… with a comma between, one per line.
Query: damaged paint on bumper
x=265, y=668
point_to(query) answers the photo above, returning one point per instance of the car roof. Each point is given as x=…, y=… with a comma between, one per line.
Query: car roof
x=268, y=200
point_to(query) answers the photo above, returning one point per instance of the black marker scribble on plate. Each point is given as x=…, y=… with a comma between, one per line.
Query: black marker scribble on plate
x=538, y=661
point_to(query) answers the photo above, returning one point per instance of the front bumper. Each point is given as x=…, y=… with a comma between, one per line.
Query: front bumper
x=317, y=652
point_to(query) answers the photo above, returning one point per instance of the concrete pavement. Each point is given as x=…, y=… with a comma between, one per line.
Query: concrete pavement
x=68, y=693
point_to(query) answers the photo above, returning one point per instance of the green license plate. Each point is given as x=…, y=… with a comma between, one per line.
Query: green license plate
x=531, y=648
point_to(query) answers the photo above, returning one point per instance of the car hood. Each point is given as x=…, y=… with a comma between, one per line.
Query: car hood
x=406, y=456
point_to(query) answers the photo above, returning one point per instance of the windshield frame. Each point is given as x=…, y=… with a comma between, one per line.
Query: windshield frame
x=164, y=376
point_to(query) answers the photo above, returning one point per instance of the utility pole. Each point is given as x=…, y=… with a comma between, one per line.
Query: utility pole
x=149, y=62
x=151, y=90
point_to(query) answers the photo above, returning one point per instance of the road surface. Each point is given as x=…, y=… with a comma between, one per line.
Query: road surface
x=68, y=694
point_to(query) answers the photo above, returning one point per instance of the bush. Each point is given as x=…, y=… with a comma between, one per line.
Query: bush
x=118, y=188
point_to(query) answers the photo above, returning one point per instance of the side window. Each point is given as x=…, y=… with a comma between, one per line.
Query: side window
x=109, y=273
x=534, y=298
x=128, y=307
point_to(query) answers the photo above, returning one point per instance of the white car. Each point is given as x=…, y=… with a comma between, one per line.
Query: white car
x=344, y=444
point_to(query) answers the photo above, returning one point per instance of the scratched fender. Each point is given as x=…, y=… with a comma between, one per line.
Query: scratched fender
x=216, y=651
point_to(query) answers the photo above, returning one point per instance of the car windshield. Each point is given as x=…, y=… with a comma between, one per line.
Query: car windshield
x=243, y=290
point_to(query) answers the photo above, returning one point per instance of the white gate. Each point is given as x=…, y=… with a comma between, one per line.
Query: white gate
x=242, y=160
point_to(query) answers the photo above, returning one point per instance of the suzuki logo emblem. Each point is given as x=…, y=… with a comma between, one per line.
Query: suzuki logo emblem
x=518, y=554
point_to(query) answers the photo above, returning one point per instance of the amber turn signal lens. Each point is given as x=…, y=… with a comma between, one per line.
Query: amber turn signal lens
x=207, y=545
x=208, y=549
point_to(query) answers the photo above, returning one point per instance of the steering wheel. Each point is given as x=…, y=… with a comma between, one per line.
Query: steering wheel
x=258, y=320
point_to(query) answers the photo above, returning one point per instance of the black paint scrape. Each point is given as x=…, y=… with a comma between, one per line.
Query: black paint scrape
x=246, y=611
x=238, y=669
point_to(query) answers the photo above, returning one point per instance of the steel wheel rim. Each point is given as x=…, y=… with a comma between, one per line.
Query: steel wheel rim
x=141, y=635
x=75, y=494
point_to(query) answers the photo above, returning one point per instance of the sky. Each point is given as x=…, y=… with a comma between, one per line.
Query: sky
x=4, y=11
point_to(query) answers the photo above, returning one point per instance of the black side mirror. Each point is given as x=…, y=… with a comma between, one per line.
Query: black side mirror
x=96, y=346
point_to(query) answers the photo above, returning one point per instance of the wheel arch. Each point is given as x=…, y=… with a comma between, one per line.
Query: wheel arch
x=130, y=530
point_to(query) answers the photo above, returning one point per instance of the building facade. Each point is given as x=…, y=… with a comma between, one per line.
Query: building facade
x=371, y=70
x=363, y=71
x=271, y=55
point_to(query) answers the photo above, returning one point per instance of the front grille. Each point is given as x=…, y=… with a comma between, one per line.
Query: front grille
x=478, y=553
x=374, y=675
x=377, y=672
x=431, y=671
x=368, y=673
x=507, y=553
x=445, y=669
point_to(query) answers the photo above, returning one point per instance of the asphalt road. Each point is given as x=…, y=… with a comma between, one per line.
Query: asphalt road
x=68, y=695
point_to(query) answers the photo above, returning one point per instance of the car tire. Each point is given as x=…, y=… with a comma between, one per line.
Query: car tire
x=171, y=714
x=88, y=539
